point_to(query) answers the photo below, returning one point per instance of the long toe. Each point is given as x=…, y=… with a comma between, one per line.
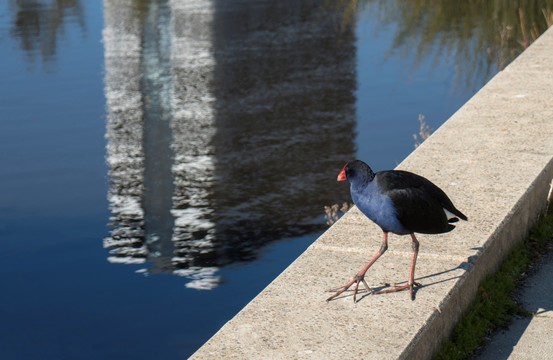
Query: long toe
x=342, y=289
x=355, y=290
x=393, y=288
x=369, y=290
x=339, y=290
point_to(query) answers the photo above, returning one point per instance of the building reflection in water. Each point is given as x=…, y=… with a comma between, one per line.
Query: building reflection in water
x=226, y=122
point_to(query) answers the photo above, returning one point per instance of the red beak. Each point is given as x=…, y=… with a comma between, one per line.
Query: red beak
x=342, y=175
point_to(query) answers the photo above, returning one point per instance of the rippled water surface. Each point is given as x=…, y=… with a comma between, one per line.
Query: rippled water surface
x=163, y=161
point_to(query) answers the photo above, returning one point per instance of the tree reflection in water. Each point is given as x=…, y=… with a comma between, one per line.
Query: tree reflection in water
x=463, y=30
x=39, y=25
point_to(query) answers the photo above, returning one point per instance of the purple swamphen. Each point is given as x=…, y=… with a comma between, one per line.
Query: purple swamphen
x=399, y=202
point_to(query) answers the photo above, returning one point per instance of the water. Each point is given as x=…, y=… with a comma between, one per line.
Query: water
x=162, y=161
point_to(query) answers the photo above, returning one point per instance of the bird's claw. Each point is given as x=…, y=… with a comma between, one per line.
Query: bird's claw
x=356, y=279
x=396, y=287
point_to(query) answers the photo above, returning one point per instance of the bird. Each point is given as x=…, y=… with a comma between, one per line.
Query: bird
x=399, y=202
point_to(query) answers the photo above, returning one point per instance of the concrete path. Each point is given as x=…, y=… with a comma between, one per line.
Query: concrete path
x=494, y=158
x=528, y=338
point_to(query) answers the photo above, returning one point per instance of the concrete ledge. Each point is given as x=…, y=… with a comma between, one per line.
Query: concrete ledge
x=494, y=158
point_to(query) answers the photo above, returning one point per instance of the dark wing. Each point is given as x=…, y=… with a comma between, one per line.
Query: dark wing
x=418, y=201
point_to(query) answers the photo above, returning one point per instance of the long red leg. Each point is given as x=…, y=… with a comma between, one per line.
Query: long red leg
x=360, y=276
x=413, y=262
x=411, y=281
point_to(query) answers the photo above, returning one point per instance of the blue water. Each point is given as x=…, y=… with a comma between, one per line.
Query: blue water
x=61, y=298
x=394, y=89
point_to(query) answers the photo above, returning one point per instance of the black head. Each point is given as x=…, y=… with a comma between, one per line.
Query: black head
x=355, y=171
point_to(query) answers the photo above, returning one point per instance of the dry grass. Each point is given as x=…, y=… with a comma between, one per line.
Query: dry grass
x=424, y=132
x=334, y=212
